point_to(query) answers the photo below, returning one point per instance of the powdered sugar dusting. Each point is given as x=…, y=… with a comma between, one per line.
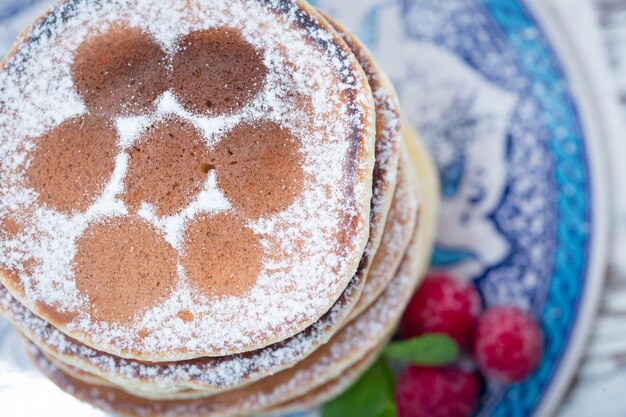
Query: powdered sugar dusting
x=206, y=373
x=388, y=136
x=388, y=141
x=345, y=349
x=292, y=290
x=210, y=200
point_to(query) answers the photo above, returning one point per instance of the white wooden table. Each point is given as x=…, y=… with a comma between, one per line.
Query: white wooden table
x=600, y=388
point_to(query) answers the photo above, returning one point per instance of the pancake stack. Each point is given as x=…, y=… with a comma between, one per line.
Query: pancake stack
x=206, y=207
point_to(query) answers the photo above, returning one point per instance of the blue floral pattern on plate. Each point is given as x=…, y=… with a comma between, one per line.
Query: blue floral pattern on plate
x=481, y=81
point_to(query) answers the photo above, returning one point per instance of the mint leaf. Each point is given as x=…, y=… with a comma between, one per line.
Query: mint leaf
x=426, y=350
x=389, y=410
x=370, y=396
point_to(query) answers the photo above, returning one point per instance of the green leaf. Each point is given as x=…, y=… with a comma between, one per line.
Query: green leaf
x=426, y=350
x=370, y=396
x=389, y=410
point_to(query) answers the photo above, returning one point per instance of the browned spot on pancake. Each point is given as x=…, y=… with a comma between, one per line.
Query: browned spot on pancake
x=29, y=266
x=14, y=276
x=11, y=227
x=123, y=69
x=223, y=256
x=168, y=167
x=259, y=168
x=216, y=70
x=185, y=315
x=12, y=279
x=72, y=163
x=123, y=266
x=54, y=315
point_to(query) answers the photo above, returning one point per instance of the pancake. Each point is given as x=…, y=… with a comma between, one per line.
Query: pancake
x=429, y=191
x=401, y=220
x=217, y=374
x=311, y=399
x=327, y=363
x=222, y=127
x=75, y=373
x=75, y=382
x=314, y=397
x=316, y=369
x=210, y=375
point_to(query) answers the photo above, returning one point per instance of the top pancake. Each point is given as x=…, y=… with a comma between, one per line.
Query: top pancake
x=182, y=179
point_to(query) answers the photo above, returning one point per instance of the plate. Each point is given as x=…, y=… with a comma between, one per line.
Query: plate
x=503, y=104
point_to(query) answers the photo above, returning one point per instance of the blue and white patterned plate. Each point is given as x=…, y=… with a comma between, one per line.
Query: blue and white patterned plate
x=501, y=102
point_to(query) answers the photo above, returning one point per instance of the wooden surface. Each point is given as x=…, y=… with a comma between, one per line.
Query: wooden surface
x=600, y=388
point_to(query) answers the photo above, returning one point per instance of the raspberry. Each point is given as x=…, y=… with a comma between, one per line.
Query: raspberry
x=443, y=305
x=437, y=392
x=508, y=344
